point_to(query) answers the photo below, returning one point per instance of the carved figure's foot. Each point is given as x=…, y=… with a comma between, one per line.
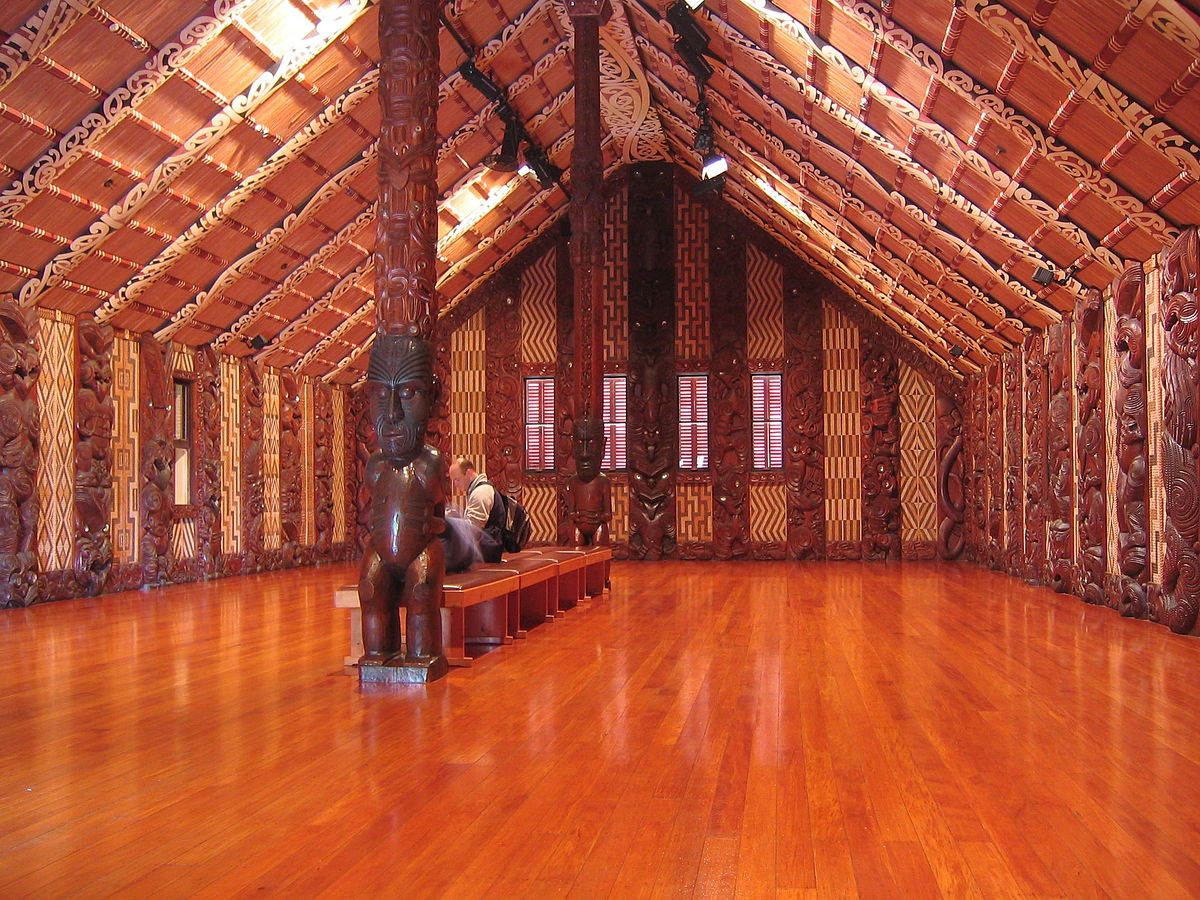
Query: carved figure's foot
x=374, y=659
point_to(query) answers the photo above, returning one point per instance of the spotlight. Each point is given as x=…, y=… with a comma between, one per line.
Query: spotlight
x=1043, y=276
x=709, y=185
x=546, y=172
x=689, y=33
x=506, y=159
x=258, y=342
x=480, y=82
x=956, y=351
x=694, y=4
x=696, y=64
x=714, y=165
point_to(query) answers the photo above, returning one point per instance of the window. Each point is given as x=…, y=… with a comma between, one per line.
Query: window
x=767, y=420
x=616, y=455
x=539, y=424
x=183, y=443
x=693, y=421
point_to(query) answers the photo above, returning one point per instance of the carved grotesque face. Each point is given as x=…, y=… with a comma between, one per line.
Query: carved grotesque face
x=588, y=435
x=399, y=393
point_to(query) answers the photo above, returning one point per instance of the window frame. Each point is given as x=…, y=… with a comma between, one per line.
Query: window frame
x=182, y=402
x=771, y=425
x=697, y=422
x=545, y=429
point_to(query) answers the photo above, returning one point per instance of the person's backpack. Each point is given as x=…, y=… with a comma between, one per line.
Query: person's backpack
x=516, y=527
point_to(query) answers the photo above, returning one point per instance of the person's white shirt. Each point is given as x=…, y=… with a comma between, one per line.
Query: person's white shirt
x=481, y=497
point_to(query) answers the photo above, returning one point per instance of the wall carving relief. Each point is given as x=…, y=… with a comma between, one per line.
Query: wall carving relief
x=253, y=501
x=364, y=443
x=1036, y=414
x=95, y=417
x=206, y=495
x=1014, y=550
x=291, y=449
x=951, y=492
x=804, y=416
x=994, y=466
x=323, y=438
x=1130, y=404
x=1060, y=552
x=881, y=450
x=505, y=442
x=19, y=442
x=156, y=432
x=1089, y=391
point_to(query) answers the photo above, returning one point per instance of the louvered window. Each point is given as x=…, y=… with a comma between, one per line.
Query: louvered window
x=615, y=452
x=693, y=421
x=183, y=442
x=539, y=424
x=767, y=420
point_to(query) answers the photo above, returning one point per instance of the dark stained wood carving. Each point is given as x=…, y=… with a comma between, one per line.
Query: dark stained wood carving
x=951, y=495
x=729, y=391
x=565, y=392
x=20, y=426
x=363, y=441
x=94, y=419
x=291, y=483
x=1130, y=405
x=881, y=450
x=804, y=414
x=156, y=433
x=588, y=492
x=653, y=414
x=323, y=438
x=439, y=420
x=1089, y=391
x=1180, y=596
x=253, y=500
x=1014, y=549
x=1060, y=552
x=994, y=466
x=206, y=442
x=1036, y=415
x=975, y=432
x=505, y=441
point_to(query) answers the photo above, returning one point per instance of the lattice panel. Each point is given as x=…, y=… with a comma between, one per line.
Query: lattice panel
x=126, y=523
x=1111, y=467
x=56, y=468
x=538, y=328
x=231, y=457
x=308, y=511
x=614, y=309
x=618, y=528
x=764, y=306
x=693, y=343
x=918, y=446
x=339, y=465
x=843, y=428
x=541, y=501
x=183, y=358
x=694, y=512
x=1154, y=420
x=183, y=538
x=1072, y=343
x=768, y=512
x=468, y=384
x=272, y=513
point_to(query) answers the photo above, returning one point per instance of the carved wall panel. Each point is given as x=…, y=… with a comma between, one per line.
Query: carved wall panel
x=126, y=460
x=951, y=490
x=974, y=428
x=206, y=495
x=439, y=433
x=842, y=390
x=291, y=447
x=1180, y=598
x=55, y=472
x=505, y=440
x=918, y=465
x=1036, y=416
x=995, y=465
x=341, y=438
x=1089, y=429
x=20, y=429
x=94, y=418
x=363, y=441
x=252, y=488
x=1060, y=546
x=804, y=413
x=880, y=450
x=729, y=391
x=1014, y=500
x=324, y=436
x=272, y=530
x=156, y=429
x=564, y=391
x=653, y=415
x=1129, y=340
x=231, y=462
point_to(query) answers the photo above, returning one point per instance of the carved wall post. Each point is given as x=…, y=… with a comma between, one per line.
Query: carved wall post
x=94, y=419
x=206, y=443
x=1130, y=403
x=323, y=438
x=1180, y=597
x=1060, y=551
x=156, y=428
x=1036, y=415
x=1014, y=549
x=253, y=500
x=364, y=444
x=951, y=496
x=291, y=481
x=505, y=440
x=994, y=465
x=1089, y=389
x=804, y=439
x=566, y=389
x=975, y=430
x=19, y=447
x=881, y=449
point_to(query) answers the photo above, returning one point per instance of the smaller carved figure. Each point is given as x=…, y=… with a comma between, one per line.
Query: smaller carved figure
x=589, y=494
x=404, y=562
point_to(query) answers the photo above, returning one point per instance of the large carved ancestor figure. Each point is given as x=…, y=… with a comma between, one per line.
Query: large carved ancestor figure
x=804, y=437
x=1035, y=458
x=881, y=451
x=156, y=432
x=1180, y=596
x=1060, y=552
x=951, y=499
x=253, y=500
x=94, y=417
x=588, y=492
x=19, y=431
x=291, y=452
x=1089, y=390
x=404, y=563
x=1130, y=404
x=207, y=443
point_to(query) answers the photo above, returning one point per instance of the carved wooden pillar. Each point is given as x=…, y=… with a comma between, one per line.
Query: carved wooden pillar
x=1036, y=414
x=729, y=391
x=566, y=400
x=1014, y=549
x=19, y=448
x=1180, y=597
x=439, y=420
x=994, y=466
x=975, y=429
x=505, y=441
x=364, y=444
x=804, y=439
x=253, y=501
x=206, y=443
x=323, y=438
x=291, y=481
x=1130, y=403
x=1060, y=552
x=881, y=449
x=156, y=430
x=653, y=421
x=951, y=496
x=94, y=419
x=1089, y=389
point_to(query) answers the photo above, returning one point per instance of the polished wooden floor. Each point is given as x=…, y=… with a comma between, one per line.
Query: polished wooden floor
x=709, y=730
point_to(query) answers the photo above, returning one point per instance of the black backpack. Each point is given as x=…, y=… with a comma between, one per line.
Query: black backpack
x=516, y=526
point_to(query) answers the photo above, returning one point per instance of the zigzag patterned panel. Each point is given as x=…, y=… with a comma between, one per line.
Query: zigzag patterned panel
x=183, y=538
x=1110, y=430
x=614, y=308
x=618, y=528
x=468, y=384
x=693, y=342
x=539, y=337
x=56, y=468
x=339, y=465
x=541, y=501
x=272, y=513
x=843, y=427
x=764, y=307
x=183, y=358
x=1154, y=419
x=694, y=512
x=768, y=512
x=231, y=458
x=308, y=465
x=918, y=446
x=126, y=524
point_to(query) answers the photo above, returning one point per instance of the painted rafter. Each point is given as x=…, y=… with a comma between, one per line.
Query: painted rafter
x=39, y=33
x=357, y=279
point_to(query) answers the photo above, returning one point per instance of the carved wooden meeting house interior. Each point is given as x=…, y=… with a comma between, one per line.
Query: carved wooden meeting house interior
x=844, y=354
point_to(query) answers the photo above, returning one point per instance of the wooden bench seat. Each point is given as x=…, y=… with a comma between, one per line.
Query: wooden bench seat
x=537, y=599
x=571, y=581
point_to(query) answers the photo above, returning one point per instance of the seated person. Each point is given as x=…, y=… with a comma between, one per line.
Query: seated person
x=464, y=542
x=482, y=509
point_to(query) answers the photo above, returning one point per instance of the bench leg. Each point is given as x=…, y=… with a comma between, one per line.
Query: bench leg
x=356, y=644
x=487, y=622
x=516, y=611
x=453, y=641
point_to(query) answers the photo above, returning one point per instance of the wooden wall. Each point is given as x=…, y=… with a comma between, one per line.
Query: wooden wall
x=693, y=287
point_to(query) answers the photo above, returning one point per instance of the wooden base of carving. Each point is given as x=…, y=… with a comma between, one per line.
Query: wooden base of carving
x=398, y=670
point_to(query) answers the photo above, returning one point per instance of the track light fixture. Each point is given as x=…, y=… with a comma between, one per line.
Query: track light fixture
x=714, y=165
x=505, y=159
x=545, y=171
x=490, y=90
x=1043, y=276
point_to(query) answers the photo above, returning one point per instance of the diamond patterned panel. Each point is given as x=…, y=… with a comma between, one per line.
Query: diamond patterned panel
x=126, y=524
x=843, y=427
x=272, y=513
x=231, y=457
x=918, y=443
x=56, y=468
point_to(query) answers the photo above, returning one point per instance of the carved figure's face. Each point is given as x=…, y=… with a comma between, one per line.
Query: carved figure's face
x=399, y=394
x=588, y=438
